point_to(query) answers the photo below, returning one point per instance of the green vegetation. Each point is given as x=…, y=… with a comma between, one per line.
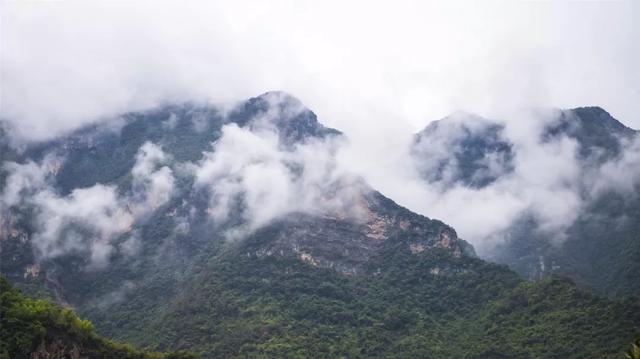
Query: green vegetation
x=274, y=307
x=192, y=291
x=29, y=325
x=431, y=305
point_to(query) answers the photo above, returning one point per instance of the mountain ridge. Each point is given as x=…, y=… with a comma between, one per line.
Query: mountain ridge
x=262, y=250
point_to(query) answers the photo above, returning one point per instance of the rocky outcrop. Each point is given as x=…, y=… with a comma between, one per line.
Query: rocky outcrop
x=347, y=244
x=58, y=348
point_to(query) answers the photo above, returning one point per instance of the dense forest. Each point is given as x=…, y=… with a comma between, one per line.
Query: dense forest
x=31, y=328
x=431, y=306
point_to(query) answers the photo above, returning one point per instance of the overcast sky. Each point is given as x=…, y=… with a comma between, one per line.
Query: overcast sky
x=364, y=67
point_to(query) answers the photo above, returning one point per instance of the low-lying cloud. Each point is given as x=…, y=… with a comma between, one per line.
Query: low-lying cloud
x=548, y=180
x=252, y=175
x=153, y=183
x=250, y=171
x=87, y=220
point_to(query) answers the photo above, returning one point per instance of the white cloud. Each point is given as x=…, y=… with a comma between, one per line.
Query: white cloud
x=25, y=179
x=96, y=209
x=378, y=71
x=152, y=184
x=549, y=182
x=87, y=220
x=250, y=170
x=622, y=174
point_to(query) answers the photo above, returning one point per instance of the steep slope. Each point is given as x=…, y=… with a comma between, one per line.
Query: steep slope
x=147, y=254
x=598, y=246
x=37, y=329
x=429, y=304
x=238, y=234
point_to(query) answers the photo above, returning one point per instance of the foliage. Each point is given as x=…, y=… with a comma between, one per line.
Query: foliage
x=273, y=307
x=28, y=324
x=193, y=292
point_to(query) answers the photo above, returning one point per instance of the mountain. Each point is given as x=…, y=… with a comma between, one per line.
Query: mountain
x=236, y=233
x=462, y=149
x=599, y=246
x=598, y=134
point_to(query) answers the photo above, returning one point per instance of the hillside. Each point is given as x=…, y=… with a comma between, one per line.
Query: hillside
x=38, y=329
x=427, y=305
x=237, y=234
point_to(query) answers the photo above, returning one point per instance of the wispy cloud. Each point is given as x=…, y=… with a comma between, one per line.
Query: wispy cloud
x=548, y=179
x=87, y=220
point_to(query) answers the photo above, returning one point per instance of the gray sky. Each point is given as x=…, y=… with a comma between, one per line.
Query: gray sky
x=380, y=65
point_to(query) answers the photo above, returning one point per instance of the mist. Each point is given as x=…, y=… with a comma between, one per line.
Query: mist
x=260, y=175
x=87, y=221
x=544, y=178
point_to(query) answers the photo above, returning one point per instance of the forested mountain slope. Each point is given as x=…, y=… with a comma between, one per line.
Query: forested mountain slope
x=237, y=233
x=38, y=329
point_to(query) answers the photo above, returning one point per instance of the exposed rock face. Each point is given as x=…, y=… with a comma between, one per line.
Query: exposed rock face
x=57, y=349
x=347, y=245
x=32, y=271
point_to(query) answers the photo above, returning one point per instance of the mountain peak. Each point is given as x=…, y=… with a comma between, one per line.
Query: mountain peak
x=462, y=148
x=176, y=230
x=594, y=109
x=279, y=95
x=599, y=116
x=468, y=149
x=291, y=118
x=464, y=116
x=599, y=134
x=274, y=100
